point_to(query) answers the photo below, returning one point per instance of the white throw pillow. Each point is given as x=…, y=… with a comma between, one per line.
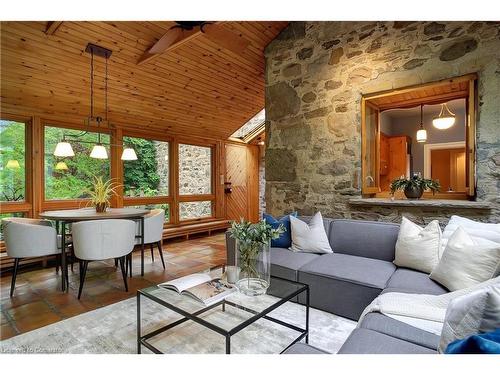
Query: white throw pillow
x=476, y=312
x=309, y=238
x=473, y=228
x=418, y=248
x=467, y=261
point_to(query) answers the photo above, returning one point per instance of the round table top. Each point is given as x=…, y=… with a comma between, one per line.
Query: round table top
x=91, y=214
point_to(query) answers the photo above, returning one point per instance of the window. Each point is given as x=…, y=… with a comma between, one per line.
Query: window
x=390, y=148
x=72, y=183
x=195, y=210
x=195, y=178
x=165, y=207
x=148, y=176
x=12, y=161
x=195, y=170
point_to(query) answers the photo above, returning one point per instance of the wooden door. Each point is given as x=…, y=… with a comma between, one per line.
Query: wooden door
x=242, y=177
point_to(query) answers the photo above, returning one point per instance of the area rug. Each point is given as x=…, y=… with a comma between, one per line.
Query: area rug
x=112, y=330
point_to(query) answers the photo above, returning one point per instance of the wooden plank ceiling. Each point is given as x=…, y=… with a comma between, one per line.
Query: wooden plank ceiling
x=199, y=88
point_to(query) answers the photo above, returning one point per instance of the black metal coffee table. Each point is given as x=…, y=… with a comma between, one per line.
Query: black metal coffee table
x=255, y=308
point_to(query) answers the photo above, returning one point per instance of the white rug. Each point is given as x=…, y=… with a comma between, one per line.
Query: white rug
x=112, y=330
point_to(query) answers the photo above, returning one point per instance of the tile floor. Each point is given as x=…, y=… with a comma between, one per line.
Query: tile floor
x=38, y=300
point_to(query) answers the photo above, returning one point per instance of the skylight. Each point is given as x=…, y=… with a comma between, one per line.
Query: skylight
x=250, y=127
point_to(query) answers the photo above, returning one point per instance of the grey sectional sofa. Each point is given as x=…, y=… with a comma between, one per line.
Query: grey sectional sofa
x=348, y=280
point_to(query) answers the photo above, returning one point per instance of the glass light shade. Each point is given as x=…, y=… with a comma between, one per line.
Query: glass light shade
x=443, y=123
x=64, y=150
x=421, y=135
x=61, y=166
x=99, y=152
x=13, y=164
x=129, y=154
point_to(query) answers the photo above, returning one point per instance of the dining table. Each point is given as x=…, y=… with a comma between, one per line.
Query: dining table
x=63, y=218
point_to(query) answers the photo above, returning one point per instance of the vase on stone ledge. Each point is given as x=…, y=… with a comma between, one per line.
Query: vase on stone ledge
x=254, y=266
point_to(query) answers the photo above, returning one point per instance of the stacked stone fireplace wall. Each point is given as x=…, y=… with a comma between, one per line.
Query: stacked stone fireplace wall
x=316, y=73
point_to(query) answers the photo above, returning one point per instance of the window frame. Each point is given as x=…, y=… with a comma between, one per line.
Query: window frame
x=141, y=201
x=56, y=204
x=26, y=206
x=196, y=197
x=470, y=136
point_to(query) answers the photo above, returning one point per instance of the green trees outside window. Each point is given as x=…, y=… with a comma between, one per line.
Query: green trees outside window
x=72, y=182
x=12, y=161
x=148, y=176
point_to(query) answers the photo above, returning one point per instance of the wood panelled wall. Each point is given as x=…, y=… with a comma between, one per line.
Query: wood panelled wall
x=35, y=200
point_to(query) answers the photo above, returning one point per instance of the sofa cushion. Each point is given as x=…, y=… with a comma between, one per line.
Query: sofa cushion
x=358, y=270
x=301, y=348
x=410, y=281
x=345, y=284
x=309, y=237
x=368, y=239
x=285, y=239
x=285, y=263
x=366, y=341
x=392, y=327
x=326, y=223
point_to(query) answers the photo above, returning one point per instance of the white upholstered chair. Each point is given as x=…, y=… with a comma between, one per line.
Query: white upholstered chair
x=100, y=240
x=153, y=231
x=26, y=238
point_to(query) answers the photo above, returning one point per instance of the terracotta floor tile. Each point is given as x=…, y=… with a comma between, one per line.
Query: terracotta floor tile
x=28, y=309
x=7, y=331
x=30, y=323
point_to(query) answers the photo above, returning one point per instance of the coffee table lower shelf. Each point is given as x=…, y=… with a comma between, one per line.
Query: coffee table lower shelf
x=142, y=340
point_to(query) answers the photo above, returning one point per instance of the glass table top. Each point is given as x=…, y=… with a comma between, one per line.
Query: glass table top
x=246, y=306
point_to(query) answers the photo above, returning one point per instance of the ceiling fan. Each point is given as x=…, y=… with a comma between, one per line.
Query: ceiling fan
x=183, y=31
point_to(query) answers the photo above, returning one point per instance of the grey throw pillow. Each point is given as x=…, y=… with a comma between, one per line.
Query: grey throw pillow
x=474, y=313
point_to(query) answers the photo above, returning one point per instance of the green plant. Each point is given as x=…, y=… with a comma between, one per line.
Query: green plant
x=250, y=238
x=416, y=181
x=102, y=191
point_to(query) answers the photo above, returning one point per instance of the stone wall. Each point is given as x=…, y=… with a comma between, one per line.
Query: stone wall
x=316, y=73
x=194, y=176
x=262, y=180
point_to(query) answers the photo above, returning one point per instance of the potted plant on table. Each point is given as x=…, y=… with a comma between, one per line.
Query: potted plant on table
x=415, y=186
x=252, y=255
x=101, y=193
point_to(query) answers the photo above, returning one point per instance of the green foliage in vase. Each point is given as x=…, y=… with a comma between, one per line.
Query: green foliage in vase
x=251, y=238
x=415, y=182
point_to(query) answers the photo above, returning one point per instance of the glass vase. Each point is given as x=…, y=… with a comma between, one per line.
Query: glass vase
x=254, y=267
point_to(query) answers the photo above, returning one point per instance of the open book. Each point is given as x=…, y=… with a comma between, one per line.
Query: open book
x=201, y=287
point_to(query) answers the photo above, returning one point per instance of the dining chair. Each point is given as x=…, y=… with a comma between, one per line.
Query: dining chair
x=27, y=238
x=100, y=240
x=153, y=232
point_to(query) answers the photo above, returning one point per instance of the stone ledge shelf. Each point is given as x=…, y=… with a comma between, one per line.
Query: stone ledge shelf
x=431, y=203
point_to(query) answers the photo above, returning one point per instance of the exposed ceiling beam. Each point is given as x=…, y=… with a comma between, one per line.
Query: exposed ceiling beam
x=174, y=38
x=52, y=27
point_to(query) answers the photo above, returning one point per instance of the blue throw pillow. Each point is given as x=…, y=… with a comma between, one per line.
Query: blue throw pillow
x=285, y=240
x=484, y=343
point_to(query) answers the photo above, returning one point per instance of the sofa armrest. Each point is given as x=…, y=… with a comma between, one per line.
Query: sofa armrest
x=230, y=250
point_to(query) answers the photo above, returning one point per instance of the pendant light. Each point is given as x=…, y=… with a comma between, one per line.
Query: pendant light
x=129, y=154
x=64, y=149
x=13, y=164
x=445, y=119
x=99, y=151
x=61, y=166
x=421, y=133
